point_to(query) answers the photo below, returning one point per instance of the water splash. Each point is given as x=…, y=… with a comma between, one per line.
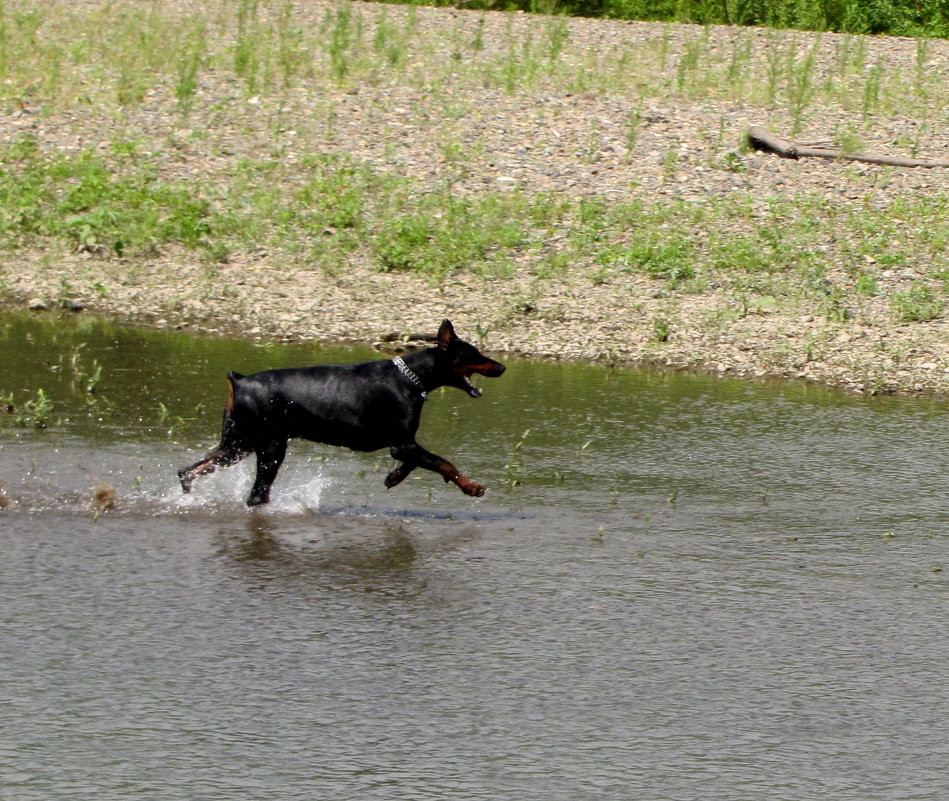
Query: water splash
x=298, y=490
x=145, y=484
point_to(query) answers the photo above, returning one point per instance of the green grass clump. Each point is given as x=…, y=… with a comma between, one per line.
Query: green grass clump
x=438, y=235
x=324, y=209
x=660, y=255
x=96, y=202
x=35, y=412
x=919, y=303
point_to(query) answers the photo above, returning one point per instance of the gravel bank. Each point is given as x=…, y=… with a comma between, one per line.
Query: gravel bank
x=549, y=135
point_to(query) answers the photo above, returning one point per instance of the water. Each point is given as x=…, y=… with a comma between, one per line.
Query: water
x=676, y=587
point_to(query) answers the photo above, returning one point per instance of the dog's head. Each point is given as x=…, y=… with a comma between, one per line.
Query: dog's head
x=461, y=360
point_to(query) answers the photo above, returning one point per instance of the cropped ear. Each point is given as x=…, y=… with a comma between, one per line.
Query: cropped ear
x=446, y=333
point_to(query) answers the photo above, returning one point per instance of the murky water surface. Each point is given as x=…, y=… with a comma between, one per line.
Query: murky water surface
x=675, y=588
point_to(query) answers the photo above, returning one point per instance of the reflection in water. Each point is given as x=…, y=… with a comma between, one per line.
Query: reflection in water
x=258, y=545
x=375, y=556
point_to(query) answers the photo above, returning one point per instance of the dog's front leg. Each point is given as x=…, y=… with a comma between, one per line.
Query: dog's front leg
x=414, y=455
x=399, y=475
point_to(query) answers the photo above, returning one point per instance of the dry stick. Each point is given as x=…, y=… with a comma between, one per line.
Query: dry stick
x=760, y=139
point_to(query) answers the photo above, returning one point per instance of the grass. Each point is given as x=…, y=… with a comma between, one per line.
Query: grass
x=113, y=204
x=106, y=204
x=122, y=199
x=919, y=303
x=34, y=412
x=53, y=56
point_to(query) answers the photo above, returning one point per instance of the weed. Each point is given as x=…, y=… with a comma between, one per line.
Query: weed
x=291, y=50
x=919, y=303
x=85, y=377
x=557, y=35
x=734, y=162
x=872, y=90
x=403, y=243
x=175, y=423
x=514, y=469
x=437, y=234
x=36, y=412
x=661, y=328
x=833, y=305
x=801, y=85
x=689, y=61
x=775, y=60
x=590, y=154
x=866, y=284
x=477, y=43
x=921, y=73
x=670, y=257
x=189, y=62
x=632, y=131
x=342, y=33
x=390, y=42
x=848, y=140
x=246, y=60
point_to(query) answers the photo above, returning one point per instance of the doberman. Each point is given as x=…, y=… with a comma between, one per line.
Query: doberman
x=364, y=407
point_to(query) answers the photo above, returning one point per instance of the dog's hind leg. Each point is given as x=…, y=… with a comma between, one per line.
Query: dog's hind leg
x=230, y=451
x=269, y=458
x=221, y=456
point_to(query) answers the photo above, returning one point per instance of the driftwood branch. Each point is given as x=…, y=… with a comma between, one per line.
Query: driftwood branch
x=761, y=139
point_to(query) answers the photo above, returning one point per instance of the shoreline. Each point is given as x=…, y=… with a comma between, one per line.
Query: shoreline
x=569, y=320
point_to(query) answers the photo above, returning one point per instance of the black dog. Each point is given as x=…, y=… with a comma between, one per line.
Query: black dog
x=363, y=406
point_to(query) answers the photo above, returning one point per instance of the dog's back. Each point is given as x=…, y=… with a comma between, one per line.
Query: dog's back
x=349, y=405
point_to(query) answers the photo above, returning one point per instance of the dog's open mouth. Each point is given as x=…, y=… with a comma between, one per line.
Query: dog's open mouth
x=490, y=369
x=470, y=388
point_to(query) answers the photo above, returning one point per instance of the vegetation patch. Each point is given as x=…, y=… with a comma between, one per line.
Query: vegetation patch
x=895, y=17
x=588, y=181
x=111, y=203
x=330, y=209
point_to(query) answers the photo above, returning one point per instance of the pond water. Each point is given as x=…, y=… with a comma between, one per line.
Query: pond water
x=676, y=587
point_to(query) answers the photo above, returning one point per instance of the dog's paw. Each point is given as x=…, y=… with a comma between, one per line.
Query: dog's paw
x=395, y=477
x=186, y=480
x=471, y=488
